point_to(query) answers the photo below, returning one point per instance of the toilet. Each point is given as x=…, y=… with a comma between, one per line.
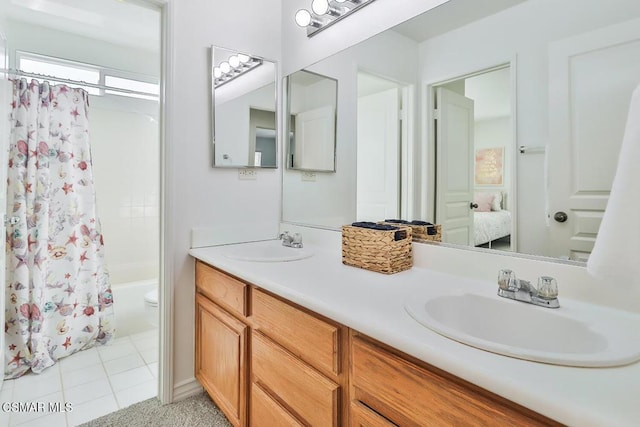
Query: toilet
x=151, y=306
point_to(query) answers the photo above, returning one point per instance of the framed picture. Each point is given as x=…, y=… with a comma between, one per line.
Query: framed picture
x=489, y=166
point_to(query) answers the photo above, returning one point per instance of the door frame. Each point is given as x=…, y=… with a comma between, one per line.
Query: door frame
x=428, y=171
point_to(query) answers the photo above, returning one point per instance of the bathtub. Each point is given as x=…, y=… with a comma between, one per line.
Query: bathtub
x=128, y=306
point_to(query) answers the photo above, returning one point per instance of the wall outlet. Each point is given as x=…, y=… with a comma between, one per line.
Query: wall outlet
x=247, y=174
x=308, y=176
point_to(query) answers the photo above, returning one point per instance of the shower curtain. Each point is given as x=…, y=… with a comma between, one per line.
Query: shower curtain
x=58, y=297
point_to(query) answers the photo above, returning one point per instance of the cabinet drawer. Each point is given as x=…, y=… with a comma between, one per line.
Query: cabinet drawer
x=410, y=395
x=267, y=412
x=361, y=416
x=307, y=394
x=222, y=289
x=313, y=340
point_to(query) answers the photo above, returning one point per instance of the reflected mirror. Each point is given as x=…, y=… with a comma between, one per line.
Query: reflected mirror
x=312, y=101
x=244, y=110
x=492, y=116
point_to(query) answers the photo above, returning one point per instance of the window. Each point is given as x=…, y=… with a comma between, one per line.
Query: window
x=106, y=81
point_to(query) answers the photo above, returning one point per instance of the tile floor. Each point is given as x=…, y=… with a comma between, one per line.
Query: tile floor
x=94, y=382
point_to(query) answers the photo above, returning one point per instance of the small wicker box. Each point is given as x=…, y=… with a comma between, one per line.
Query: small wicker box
x=377, y=250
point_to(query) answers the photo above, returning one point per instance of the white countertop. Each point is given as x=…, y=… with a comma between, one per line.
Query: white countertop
x=372, y=303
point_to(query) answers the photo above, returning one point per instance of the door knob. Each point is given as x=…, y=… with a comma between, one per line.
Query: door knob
x=560, y=216
x=473, y=205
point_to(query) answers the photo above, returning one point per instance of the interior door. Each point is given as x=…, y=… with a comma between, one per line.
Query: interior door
x=315, y=139
x=378, y=145
x=454, y=175
x=591, y=79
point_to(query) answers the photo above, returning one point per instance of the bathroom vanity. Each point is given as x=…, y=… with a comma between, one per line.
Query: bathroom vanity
x=267, y=361
x=314, y=342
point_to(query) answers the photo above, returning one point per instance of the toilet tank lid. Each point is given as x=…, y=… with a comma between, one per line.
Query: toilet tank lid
x=151, y=296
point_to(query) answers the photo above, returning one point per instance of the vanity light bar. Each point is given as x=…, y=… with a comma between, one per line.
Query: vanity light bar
x=235, y=66
x=325, y=13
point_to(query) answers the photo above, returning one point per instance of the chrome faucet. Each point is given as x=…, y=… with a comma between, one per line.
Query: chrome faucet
x=545, y=295
x=291, y=241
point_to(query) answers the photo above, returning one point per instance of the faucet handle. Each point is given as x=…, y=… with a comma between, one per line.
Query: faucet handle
x=283, y=235
x=506, y=279
x=547, y=287
x=297, y=238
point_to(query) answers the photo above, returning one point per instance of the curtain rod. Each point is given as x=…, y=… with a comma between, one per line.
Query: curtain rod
x=20, y=73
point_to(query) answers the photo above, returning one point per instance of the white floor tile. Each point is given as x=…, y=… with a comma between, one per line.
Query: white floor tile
x=4, y=418
x=92, y=409
x=83, y=376
x=150, y=355
x=117, y=349
x=32, y=385
x=135, y=394
x=53, y=420
x=122, y=364
x=146, y=343
x=6, y=394
x=23, y=417
x=7, y=385
x=88, y=391
x=152, y=334
x=130, y=378
x=80, y=360
x=153, y=367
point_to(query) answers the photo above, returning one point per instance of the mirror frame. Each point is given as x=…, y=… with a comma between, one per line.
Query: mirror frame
x=287, y=125
x=212, y=104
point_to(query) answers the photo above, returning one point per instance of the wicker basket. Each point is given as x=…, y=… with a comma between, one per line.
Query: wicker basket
x=377, y=250
x=421, y=232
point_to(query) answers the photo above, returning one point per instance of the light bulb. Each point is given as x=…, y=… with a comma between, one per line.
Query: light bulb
x=234, y=61
x=217, y=73
x=320, y=7
x=225, y=67
x=303, y=18
x=244, y=58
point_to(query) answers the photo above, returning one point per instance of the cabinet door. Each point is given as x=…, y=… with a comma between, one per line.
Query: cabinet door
x=221, y=345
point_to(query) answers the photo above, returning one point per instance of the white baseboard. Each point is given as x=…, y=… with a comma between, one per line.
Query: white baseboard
x=185, y=389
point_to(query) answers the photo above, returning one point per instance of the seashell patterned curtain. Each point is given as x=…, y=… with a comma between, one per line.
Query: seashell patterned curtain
x=58, y=296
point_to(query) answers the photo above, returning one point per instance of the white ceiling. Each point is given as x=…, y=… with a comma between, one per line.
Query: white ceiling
x=451, y=15
x=121, y=22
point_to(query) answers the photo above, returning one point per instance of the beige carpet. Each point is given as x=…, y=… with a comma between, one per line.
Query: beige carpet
x=197, y=411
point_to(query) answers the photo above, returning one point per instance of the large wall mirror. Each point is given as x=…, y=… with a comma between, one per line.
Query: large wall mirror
x=244, y=110
x=503, y=124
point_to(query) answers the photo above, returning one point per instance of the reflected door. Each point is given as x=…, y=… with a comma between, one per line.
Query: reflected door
x=454, y=175
x=378, y=158
x=592, y=77
x=315, y=139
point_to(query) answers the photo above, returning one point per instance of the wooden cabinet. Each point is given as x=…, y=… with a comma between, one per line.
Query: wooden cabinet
x=221, y=359
x=412, y=393
x=268, y=362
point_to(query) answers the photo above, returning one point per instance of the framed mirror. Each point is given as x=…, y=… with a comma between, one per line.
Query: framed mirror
x=312, y=109
x=539, y=136
x=244, y=110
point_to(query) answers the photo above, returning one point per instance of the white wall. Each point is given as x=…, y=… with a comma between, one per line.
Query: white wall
x=495, y=133
x=198, y=196
x=126, y=166
x=47, y=41
x=485, y=45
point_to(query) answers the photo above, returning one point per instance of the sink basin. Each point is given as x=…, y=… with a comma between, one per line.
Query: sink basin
x=576, y=334
x=267, y=251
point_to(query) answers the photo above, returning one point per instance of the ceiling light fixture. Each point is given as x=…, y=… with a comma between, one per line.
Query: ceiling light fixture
x=326, y=12
x=233, y=66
